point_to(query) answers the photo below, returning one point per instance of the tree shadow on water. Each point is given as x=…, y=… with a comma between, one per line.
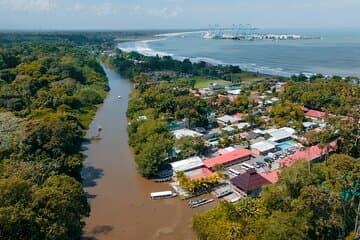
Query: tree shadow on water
x=90, y=196
x=88, y=238
x=90, y=174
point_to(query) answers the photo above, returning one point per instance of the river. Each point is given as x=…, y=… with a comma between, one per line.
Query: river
x=119, y=197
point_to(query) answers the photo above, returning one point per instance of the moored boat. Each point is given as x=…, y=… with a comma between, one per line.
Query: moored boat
x=223, y=193
x=199, y=202
x=162, y=195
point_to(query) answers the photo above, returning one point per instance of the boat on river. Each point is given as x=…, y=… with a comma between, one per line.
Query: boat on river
x=224, y=193
x=162, y=195
x=199, y=202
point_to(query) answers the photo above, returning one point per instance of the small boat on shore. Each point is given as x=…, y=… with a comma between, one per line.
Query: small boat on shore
x=199, y=202
x=159, y=180
x=223, y=193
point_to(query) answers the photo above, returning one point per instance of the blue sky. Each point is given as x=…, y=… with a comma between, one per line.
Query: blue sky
x=156, y=14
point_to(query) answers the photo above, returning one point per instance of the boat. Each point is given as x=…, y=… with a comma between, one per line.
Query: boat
x=119, y=97
x=165, y=179
x=223, y=193
x=199, y=202
x=162, y=195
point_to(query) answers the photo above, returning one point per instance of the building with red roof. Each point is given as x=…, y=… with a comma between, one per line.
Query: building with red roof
x=228, y=158
x=272, y=177
x=310, y=154
x=250, y=182
x=199, y=173
x=315, y=115
x=223, y=151
x=239, y=115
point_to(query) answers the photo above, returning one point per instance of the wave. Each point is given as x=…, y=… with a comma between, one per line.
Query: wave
x=177, y=34
x=153, y=40
x=142, y=47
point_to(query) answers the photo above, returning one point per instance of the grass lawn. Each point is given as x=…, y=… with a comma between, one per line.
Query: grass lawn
x=205, y=82
x=248, y=77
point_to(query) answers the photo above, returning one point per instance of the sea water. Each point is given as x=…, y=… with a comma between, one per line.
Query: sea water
x=336, y=52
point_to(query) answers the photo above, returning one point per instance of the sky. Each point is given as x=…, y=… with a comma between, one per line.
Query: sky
x=176, y=14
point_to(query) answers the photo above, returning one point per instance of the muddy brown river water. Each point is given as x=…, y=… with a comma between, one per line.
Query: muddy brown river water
x=121, y=207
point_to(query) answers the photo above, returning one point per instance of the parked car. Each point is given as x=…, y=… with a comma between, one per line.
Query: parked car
x=259, y=164
x=268, y=159
x=200, y=130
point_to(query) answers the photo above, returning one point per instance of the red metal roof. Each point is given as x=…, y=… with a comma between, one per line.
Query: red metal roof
x=255, y=152
x=308, y=154
x=315, y=114
x=199, y=173
x=239, y=115
x=227, y=158
x=249, y=181
x=223, y=151
x=272, y=177
x=244, y=134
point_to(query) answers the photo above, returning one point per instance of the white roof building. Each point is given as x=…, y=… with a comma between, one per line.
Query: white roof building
x=234, y=92
x=229, y=129
x=227, y=118
x=275, y=99
x=258, y=131
x=184, y=132
x=309, y=124
x=280, y=134
x=263, y=146
x=187, y=164
x=242, y=125
x=142, y=118
x=230, y=149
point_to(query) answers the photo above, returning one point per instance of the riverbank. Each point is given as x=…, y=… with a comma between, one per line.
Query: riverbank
x=118, y=195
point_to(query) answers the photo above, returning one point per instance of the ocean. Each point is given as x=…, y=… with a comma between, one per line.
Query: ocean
x=336, y=52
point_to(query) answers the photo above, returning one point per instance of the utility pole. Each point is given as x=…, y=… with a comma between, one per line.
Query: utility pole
x=308, y=160
x=357, y=227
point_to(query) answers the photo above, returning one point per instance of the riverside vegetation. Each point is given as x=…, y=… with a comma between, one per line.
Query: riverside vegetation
x=49, y=91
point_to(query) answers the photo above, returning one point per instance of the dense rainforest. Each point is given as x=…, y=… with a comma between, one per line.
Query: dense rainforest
x=49, y=91
x=132, y=64
x=333, y=95
x=95, y=41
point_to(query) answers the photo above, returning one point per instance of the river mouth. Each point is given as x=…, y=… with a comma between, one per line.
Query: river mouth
x=119, y=197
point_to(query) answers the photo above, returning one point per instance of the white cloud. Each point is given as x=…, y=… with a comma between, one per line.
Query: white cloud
x=28, y=5
x=164, y=12
x=102, y=9
x=77, y=7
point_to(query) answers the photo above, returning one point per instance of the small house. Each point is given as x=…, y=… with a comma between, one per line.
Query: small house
x=250, y=182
